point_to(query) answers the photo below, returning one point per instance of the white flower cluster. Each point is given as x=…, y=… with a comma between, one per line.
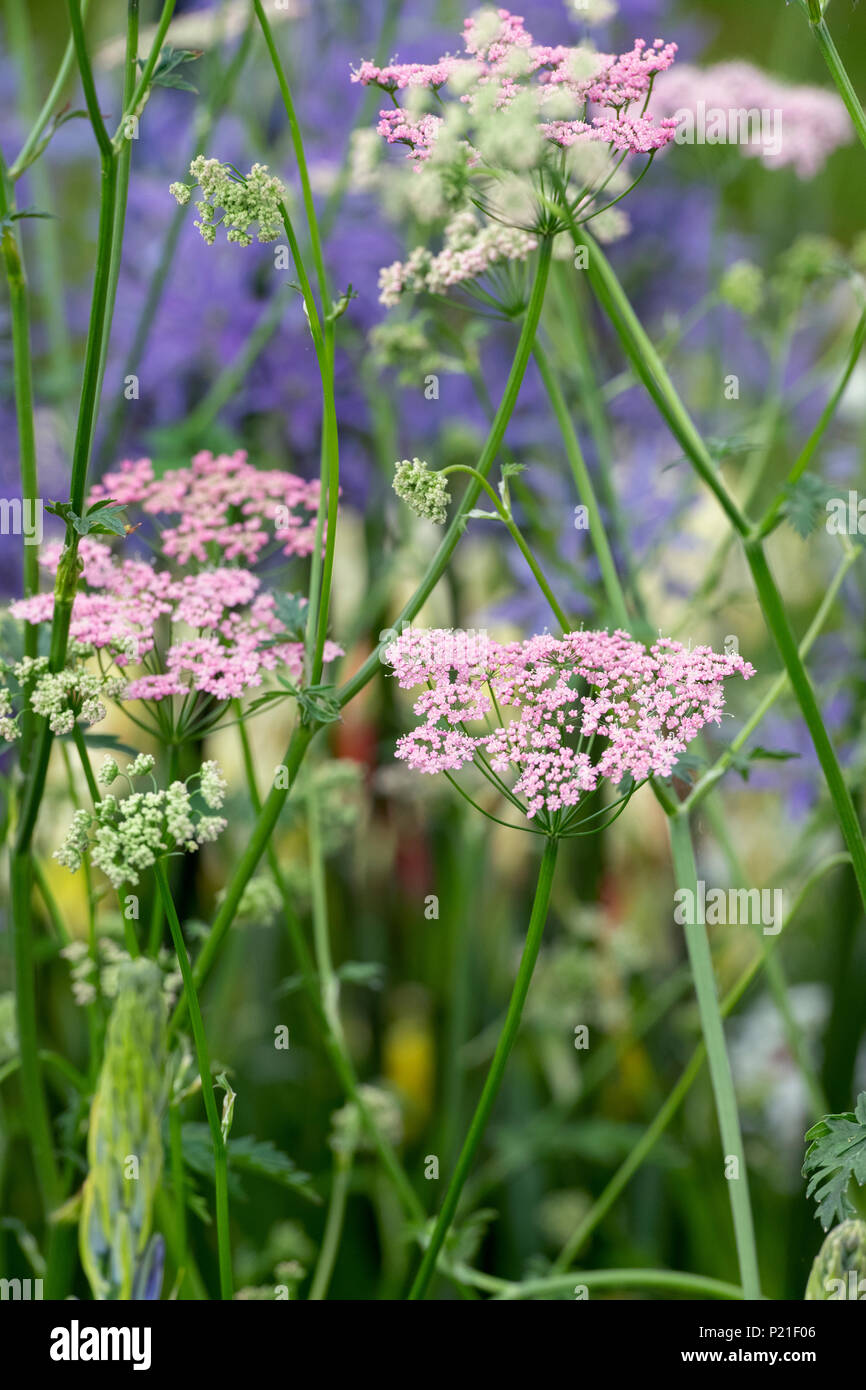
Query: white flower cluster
x=97, y=973
x=425, y=492
x=241, y=200
x=126, y=837
x=8, y=723
x=63, y=697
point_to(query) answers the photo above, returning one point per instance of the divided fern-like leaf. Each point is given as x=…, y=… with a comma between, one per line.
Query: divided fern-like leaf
x=836, y=1154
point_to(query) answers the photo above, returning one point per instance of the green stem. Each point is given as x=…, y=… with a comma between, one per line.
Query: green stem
x=32, y=1090
x=650, y=1137
x=660, y=1280
x=50, y=106
x=495, y=1074
x=343, y=1159
x=22, y=376
x=507, y=520
x=777, y=621
x=439, y=562
x=725, y=759
x=300, y=156
x=652, y=372
x=262, y=831
x=701, y=962
x=47, y=231
x=227, y=381
x=178, y=1182
x=585, y=490
x=323, y=337
x=838, y=71
x=581, y=355
x=333, y=1040
x=650, y=369
x=141, y=91
x=124, y=164
x=771, y=518
x=203, y=1057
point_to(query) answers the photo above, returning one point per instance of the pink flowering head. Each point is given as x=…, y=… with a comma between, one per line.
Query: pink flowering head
x=737, y=104
x=202, y=638
x=550, y=719
x=220, y=509
x=517, y=136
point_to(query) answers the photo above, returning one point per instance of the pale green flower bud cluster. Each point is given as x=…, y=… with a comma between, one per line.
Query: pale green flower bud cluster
x=348, y=1132
x=126, y=837
x=74, y=695
x=742, y=287
x=425, y=492
x=100, y=972
x=124, y=1141
x=337, y=787
x=840, y=1265
x=242, y=201
x=260, y=901
x=8, y=721
x=405, y=344
x=594, y=11
x=25, y=672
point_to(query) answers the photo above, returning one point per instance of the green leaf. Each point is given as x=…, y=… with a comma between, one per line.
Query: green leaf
x=291, y=610
x=103, y=519
x=258, y=1157
x=319, y=704
x=267, y=699
x=362, y=972
x=31, y=212
x=742, y=762
x=806, y=503
x=165, y=73
x=229, y=1099
x=105, y=741
x=836, y=1154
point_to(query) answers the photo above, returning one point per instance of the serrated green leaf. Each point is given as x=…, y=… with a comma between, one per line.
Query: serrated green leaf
x=836, y=1155
x=742, y=762
x=806, y=503
x=258, y=1157
x=362, y=972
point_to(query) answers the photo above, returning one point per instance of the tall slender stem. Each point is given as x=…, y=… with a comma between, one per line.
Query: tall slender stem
x=504, y=514
x=438, y=564
x=777, y=621
x=203, y=1058
x=838, y=71
x=720, y=1068
x=343, y=1161
x=585, y=490
x=652, y=372
x=497, y=1070
x=334, y=1041
x=22, y=375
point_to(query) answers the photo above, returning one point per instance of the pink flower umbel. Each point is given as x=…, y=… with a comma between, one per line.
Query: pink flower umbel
x=224, y=630
x=201, y=627
x=226, y=508
x=513, y=141
x=562, y=714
